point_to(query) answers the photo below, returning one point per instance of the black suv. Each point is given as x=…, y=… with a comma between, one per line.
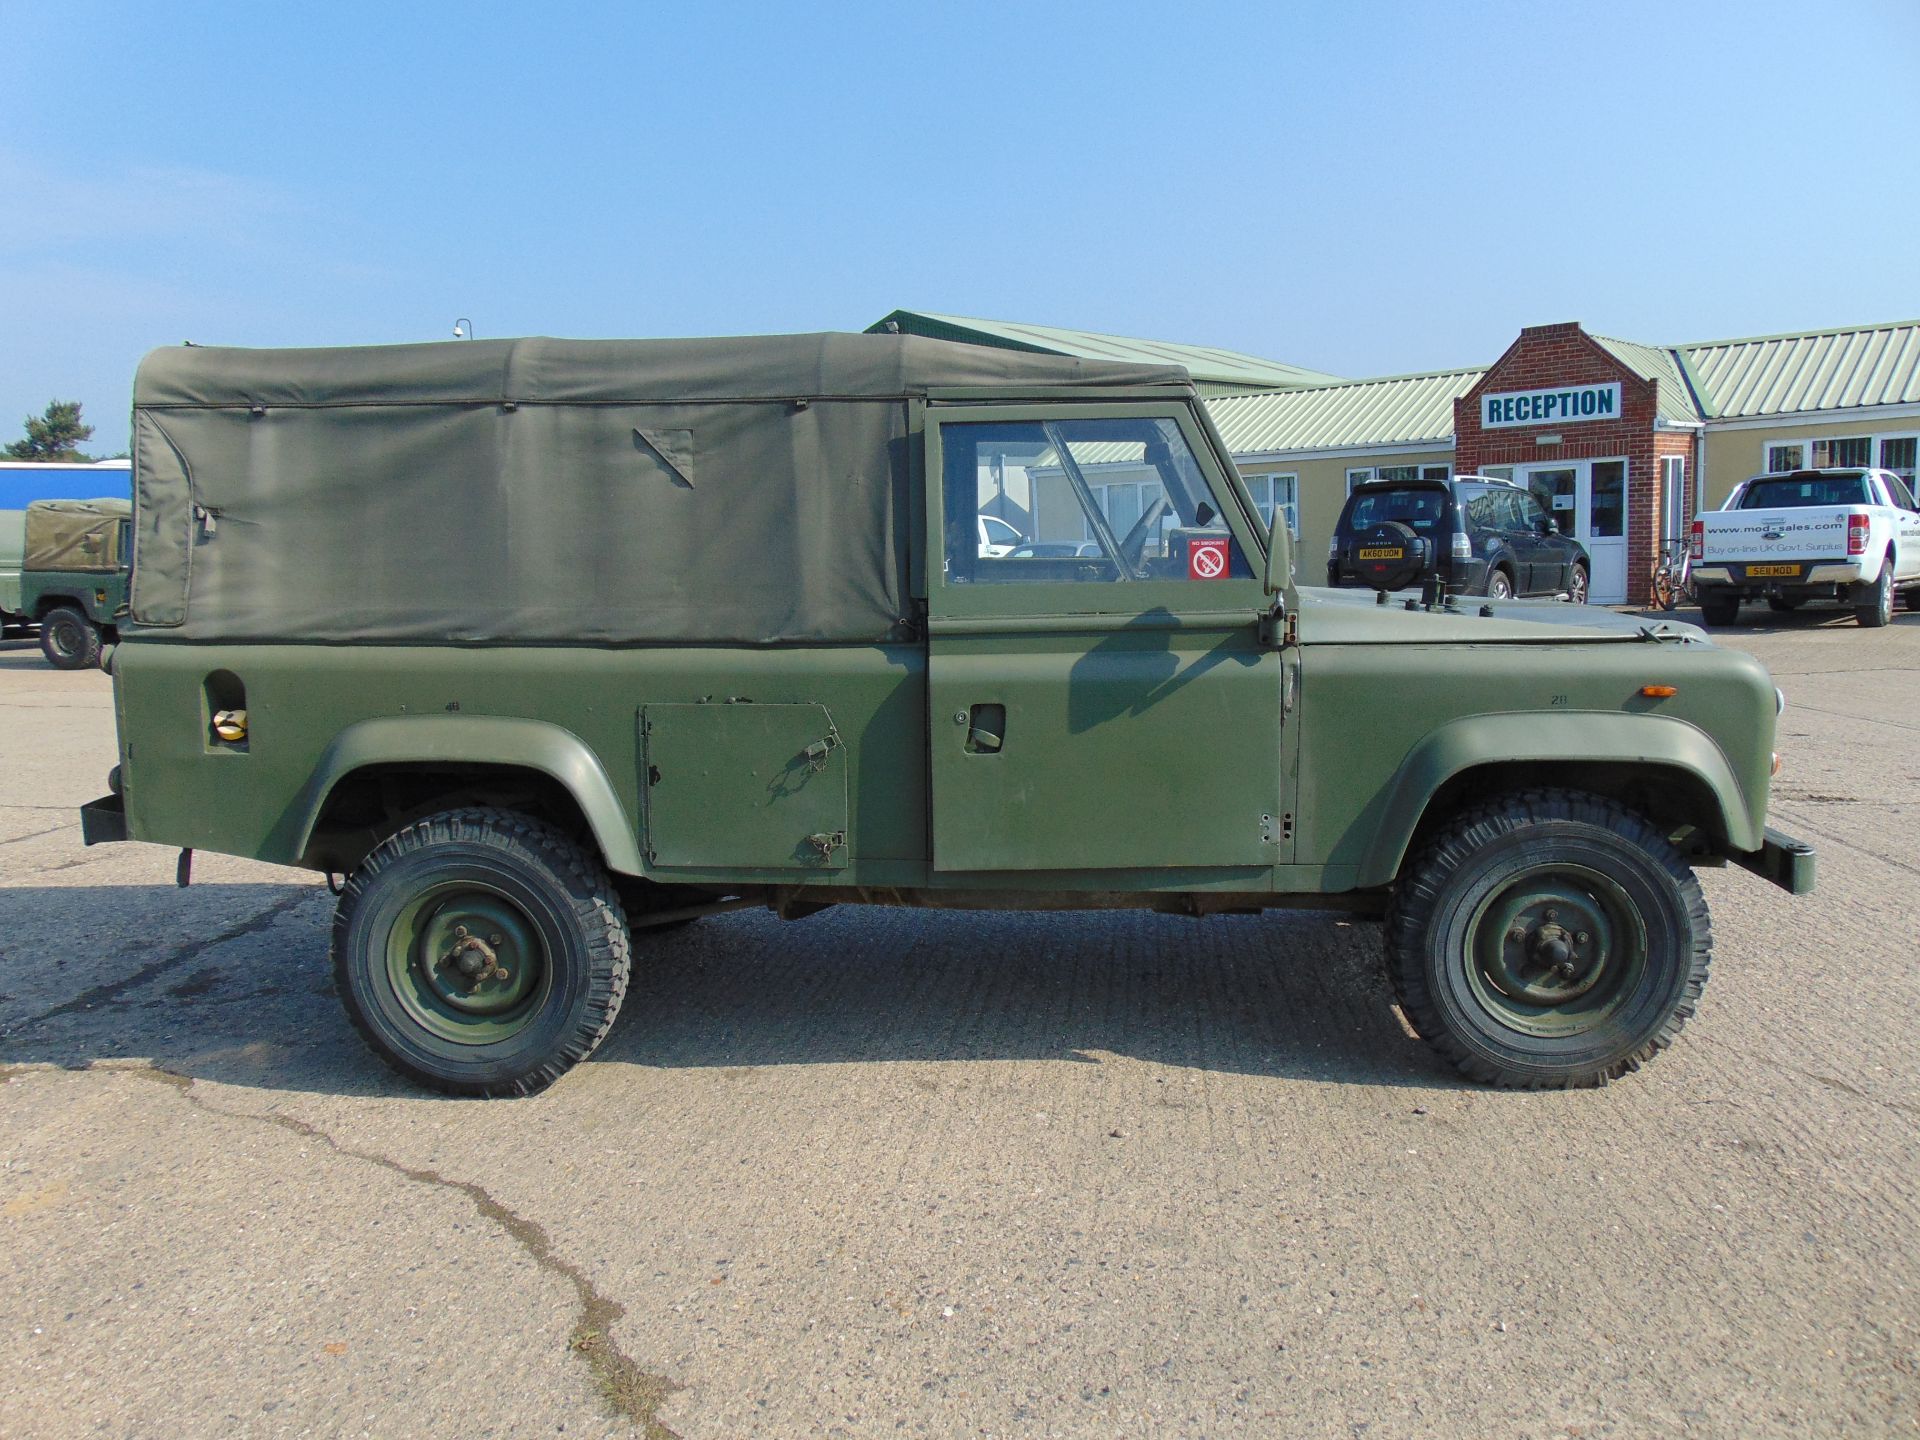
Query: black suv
x=1492, y=536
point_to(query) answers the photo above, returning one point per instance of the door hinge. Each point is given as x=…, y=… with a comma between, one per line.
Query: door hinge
x=816, y=754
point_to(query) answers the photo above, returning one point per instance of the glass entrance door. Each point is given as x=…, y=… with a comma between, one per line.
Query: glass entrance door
x=1589, y=499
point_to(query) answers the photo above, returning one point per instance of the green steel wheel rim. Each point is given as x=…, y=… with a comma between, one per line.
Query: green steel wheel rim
x=467, y=964
x=1558, y=951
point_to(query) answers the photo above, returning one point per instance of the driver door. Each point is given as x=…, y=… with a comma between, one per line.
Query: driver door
x=1101, y=700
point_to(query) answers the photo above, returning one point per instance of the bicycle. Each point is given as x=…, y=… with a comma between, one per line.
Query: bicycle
x=1673, y=576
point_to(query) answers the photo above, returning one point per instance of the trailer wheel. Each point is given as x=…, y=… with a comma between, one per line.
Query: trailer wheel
x=481, y=952
x=68, y=639
x=1878, y=609
x=1549, y=939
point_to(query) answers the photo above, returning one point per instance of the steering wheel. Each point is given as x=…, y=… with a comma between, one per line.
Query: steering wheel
x=1134, y=546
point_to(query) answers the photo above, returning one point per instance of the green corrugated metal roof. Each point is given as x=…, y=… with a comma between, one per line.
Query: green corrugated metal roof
x=1808, y=371
x=1393, y=410
x=1212, y=369
x=1674, y=399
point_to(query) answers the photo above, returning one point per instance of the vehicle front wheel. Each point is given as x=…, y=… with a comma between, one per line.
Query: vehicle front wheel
x=68, y=639
x=1878, y=607
x=1550, y=939
x=1717, y=609
x=481, y=952
x=1577, y=585
x=1499, y=585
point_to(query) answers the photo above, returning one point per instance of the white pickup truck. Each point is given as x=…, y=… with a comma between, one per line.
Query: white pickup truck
x=1846, y=535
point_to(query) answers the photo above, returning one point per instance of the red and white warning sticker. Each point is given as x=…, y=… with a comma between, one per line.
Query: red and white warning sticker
x=1206, y=559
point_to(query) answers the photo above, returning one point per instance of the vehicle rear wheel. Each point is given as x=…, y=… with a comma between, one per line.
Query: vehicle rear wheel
x=481, y=952
x=1577, y=585
x=68, y=639
x=1717, y=609
x=1499, y=585
x=1549, y=939
x=1912, y=597
x=1878, y=609
x=1780, y=605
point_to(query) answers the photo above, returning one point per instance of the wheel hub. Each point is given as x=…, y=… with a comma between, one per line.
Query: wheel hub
x=1553, y=948
x=475, y=952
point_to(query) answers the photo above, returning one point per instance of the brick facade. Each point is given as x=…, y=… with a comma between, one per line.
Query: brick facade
x=1551, y=356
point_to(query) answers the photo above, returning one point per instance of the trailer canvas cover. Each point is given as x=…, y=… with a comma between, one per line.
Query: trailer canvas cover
x=750, y=491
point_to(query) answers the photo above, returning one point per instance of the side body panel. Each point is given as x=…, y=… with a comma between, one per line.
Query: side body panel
x=102, y=596
x=310, y=708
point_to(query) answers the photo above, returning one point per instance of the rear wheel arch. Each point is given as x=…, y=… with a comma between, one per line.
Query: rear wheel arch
x=380, y=775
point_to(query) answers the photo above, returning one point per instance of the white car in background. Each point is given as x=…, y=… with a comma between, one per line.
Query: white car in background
x=997, y=537
x=1851, y=535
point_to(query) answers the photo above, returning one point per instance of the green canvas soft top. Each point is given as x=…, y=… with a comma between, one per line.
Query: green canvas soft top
x=74, y=535
x=750, y=490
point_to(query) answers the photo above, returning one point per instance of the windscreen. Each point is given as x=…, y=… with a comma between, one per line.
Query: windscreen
x=1794, y=492
x=1422, y=509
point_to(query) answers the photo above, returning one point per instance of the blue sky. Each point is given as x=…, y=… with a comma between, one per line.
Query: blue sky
x=1359, y=188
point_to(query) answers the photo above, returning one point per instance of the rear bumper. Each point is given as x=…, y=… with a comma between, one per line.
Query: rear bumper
x=1785, y=861
x=104, y=820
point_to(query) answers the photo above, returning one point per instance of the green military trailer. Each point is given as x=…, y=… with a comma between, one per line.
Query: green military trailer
x=547, y=646
x=72, y=578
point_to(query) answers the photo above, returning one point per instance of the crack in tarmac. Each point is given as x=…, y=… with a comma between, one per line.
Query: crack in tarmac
x=35, y=835
x=628, y=1391
x=192, y=950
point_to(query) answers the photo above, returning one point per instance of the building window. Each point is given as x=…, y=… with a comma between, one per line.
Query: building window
x=1269, y=490
x=1843, y=453
x=1395, y=473
x=1673, y=482
x=1847, y=452
x=1497, y=472
x=1897, y=455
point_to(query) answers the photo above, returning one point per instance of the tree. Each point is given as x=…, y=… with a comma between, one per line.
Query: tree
x=55, y=435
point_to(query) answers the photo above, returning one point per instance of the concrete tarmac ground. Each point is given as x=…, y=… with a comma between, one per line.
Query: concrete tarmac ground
x=888, y=1173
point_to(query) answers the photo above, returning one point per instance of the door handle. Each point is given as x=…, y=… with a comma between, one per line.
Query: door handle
x=986, y=729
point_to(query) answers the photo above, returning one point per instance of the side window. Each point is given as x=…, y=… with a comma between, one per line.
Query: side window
x=1530, y=512
x=1902, y=496
x=1103, y=499
x=1477, y=507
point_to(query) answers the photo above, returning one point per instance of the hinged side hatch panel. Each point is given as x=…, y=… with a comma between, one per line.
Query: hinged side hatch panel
x=739, y=785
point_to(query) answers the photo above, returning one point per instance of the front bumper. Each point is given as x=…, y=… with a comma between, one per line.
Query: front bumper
x=1785, y=861
x=104, y=820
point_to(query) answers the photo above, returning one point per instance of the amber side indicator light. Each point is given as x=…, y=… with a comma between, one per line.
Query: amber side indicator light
x=1776, y=764
x=1659, y=692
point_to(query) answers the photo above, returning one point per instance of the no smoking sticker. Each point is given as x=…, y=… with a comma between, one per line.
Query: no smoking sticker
x=1206, y=559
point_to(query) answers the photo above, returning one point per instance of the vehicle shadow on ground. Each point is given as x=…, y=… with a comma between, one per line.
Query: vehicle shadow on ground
x=234, y=990
x=1759, y=620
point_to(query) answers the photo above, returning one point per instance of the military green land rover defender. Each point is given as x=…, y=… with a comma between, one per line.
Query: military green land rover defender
x=545, y=645
x=72, y=580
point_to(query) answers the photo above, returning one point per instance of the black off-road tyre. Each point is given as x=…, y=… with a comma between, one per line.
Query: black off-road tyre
x=1577, y=585
x=69, y=640
x=1465, y=982
x=548, y=914
x=1499, y=585
x=1878, y=609
x=1719, y=610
